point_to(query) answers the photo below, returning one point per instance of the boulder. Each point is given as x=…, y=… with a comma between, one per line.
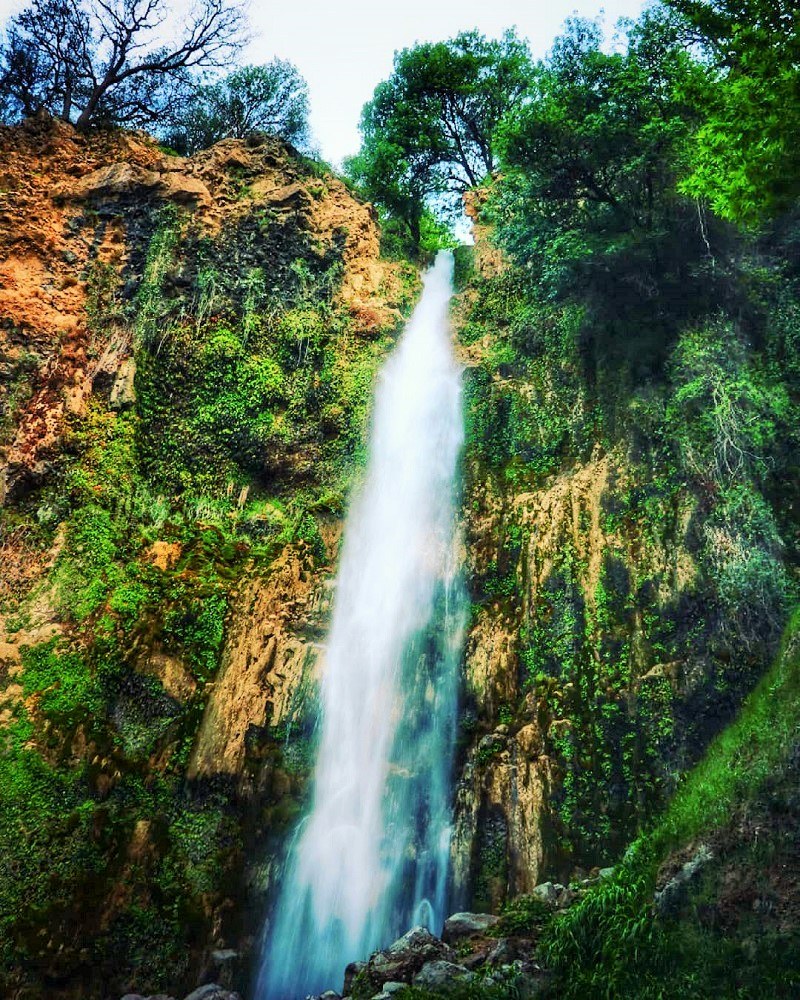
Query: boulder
x=503, y=953
x=440, y=975
x=155, y=996
x=547, y=892
x=462, y=926
x=120, y=181
x=401, y=961
x=566, y=897
x=212, y=991
x=350, y=974
x=419, y=942
x=139, y=996
x=669, y=899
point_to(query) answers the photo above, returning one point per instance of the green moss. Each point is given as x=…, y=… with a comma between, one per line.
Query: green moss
x=68, y=692
x=48, y=842
x=609, y=945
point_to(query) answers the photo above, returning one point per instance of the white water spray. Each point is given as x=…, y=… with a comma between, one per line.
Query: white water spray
x=372, y=857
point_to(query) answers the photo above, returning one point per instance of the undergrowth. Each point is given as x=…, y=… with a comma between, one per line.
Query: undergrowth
x=610, y=944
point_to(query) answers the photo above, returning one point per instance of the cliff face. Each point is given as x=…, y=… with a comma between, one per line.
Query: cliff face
x=630, y=537
x=187, y=350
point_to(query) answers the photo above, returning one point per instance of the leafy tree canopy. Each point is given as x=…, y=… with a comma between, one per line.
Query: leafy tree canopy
x=92, y=61
x=429, y=130
x=590, y=166
x=746, y=160
x=272, y=98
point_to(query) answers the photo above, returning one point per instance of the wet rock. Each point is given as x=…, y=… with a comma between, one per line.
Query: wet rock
x=671, y=897
x=330, y=995
x=222, y=956
x=605, y=873
x=212, y=991
x=461, y=926
x=440, y=975
x=421, y=942
x=222, y=966
x=547, y=892
x=350, y=973
x=403, y=960
x=491, y=744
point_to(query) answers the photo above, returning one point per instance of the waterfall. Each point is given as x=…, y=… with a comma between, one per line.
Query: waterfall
x=371, y=859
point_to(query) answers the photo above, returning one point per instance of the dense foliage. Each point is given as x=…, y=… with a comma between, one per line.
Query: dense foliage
x=429, y=130
x=272, y=98
x=630, y=338
x=745, y=161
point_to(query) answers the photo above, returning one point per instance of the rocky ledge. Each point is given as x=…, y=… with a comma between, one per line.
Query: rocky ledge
x=211, y=991
x=475, y=948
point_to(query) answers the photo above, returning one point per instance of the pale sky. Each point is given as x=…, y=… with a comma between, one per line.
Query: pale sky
x=345, y=48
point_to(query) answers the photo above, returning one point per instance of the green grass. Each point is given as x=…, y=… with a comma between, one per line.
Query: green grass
x=610, y=945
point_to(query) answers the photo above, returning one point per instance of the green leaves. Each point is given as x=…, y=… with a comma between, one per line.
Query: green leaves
x=745, y=160
x=271, y=98
x=592, y=159
x=428, y=133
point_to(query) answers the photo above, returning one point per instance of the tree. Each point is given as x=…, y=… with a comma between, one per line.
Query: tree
x=746, y=157
x=589, y=198
x=428, y=131
x=602, y=134
x=272, y=98
x=90, y=61
x=44, y=56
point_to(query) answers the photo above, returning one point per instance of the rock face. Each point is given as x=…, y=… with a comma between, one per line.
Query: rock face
x=598, y=637
x=471, y=957
x=270, y=664
x=48, y=243
x=186, y=354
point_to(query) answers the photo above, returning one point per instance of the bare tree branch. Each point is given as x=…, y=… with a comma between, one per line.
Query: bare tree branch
x=111, y=60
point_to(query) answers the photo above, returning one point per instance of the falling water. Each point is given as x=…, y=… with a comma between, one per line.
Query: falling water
x=371, y=859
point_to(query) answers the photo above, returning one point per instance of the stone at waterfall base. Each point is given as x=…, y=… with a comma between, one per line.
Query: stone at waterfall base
x=211, y=991
x=441, y=975
x=474, y=954
x=398, y=963
x=462, y=926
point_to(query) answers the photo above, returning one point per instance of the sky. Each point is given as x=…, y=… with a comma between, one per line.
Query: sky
x=344, y=48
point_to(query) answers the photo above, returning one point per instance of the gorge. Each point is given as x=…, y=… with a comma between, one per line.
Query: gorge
x=387, y=614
